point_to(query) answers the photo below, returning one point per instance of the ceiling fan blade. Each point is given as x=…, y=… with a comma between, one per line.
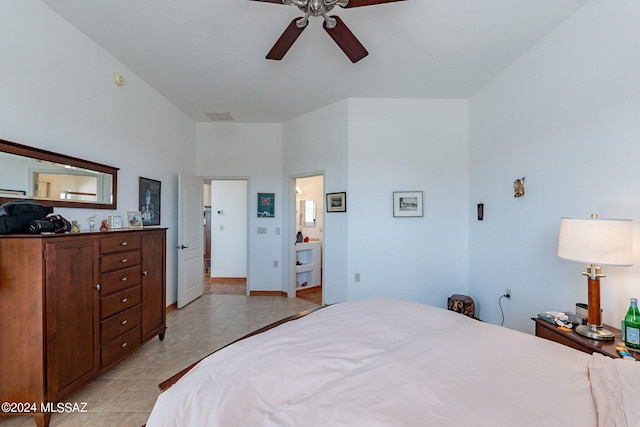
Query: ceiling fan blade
x=286, y=40
x=344, y=38
x=358, y=3
x=270, y=1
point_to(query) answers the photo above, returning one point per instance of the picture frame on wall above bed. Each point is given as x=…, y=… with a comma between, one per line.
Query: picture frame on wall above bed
x=337, y=202
x=407, y=204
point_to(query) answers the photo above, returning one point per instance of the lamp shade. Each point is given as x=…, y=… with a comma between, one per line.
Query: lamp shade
x=596, y=241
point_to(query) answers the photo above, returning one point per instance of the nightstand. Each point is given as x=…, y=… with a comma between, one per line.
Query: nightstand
x=572, y=339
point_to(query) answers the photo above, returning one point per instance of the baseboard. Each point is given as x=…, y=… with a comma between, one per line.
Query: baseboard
x=306, y=290
x=171, y=307
x=268, y=294
x=228, y=279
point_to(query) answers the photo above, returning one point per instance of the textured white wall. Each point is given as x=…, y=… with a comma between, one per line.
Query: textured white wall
x=565, y=116
x=408, y=145
x=252, y=152
x=58, y=94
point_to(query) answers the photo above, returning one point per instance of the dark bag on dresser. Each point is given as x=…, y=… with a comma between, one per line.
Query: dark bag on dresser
x=16, y=215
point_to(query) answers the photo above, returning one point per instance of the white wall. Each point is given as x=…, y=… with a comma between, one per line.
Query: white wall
x=58, y=94
x=252, y=152
x=317, y=143
x=407, y=145
x=565, y=116
x=229, y=228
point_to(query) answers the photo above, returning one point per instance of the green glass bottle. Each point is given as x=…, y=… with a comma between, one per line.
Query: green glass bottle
x=632, y=326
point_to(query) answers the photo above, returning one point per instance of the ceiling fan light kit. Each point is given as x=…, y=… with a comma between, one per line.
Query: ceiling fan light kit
x=333, y=25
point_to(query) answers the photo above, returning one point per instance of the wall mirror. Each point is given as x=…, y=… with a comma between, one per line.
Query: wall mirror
x=55, y=179
x=308, y=213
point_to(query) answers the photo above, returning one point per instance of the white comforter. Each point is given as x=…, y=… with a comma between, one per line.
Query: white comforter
x=393, y=363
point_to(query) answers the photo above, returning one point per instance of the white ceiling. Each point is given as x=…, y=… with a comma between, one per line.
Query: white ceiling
x=209, y=55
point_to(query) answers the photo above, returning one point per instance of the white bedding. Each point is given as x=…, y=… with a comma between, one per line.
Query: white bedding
x=386, y=362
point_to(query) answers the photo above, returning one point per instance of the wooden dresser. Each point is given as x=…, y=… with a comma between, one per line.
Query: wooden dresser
x=72, y=306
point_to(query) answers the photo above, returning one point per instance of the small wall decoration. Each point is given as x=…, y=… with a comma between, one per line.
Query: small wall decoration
x=407, y=203
x=518, y=187
x=134, y=219
x=266, y=205
x=337, y=202
x=480, y=211
x=149, y=197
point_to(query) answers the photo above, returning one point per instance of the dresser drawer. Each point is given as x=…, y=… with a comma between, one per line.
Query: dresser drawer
x=120, y=279
x=119, y=301
x=119, y=242
x=119, y=260
x=119, y=347
x=119, y=324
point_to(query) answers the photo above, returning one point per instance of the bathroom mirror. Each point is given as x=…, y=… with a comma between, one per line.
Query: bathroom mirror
x=55, y=179
x=308, y=213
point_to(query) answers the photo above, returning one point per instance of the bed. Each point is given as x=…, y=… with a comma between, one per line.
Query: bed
x=384, y=362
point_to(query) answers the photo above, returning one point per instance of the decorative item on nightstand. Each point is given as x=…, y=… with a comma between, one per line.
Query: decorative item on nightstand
x=462, y=304
x=596, y=242
x=631, y=326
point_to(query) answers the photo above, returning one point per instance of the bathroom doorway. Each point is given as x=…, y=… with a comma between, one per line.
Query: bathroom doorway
x=309, y=226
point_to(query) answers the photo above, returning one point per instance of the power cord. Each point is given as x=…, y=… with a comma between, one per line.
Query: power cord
x=500, y=305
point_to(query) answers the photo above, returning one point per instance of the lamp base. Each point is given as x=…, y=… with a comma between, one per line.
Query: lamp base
x=595, y=332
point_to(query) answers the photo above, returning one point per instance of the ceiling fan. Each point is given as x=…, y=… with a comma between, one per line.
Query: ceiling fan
x=333, y=25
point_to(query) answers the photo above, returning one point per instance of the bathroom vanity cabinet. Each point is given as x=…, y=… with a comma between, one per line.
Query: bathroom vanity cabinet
x=308, y=261
x=73, y=305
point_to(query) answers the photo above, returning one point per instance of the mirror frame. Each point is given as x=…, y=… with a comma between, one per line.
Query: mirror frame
x=40, y=154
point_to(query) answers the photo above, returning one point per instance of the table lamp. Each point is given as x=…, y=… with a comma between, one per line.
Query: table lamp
x=596, y=242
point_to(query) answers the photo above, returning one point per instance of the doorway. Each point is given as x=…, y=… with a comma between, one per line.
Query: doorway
x=228, y=236
x=309, y=226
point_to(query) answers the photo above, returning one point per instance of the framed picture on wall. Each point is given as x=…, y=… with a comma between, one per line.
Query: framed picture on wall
x=149, y=201
x=407, y=203
x=337, y=202
x=266, y=205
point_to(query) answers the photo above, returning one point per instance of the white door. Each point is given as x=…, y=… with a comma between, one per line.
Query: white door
x=190, y=238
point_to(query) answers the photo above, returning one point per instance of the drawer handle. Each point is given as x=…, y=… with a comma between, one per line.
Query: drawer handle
x=123, y=345
x=98, y=286
x=124, y=244
x=124, y=260
x=124, y=322
x=123, y=300
x=144, y=273
x=124, y=279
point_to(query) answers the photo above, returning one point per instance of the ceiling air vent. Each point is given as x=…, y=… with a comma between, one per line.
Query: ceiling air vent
x=219, y=117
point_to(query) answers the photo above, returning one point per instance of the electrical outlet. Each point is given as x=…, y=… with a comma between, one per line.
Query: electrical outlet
x=356, y=277
x=508, y=293
x=275, y=264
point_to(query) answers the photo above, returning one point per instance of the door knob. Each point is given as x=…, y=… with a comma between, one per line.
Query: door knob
x=183, y=247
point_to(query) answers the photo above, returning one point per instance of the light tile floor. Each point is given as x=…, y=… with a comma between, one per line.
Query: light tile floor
x=125, y=395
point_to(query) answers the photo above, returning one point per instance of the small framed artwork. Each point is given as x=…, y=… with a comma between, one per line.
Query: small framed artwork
x=134, y=219
x=407, y=203
x=266, y=205
x=149, y=201
x=337, y=202
x=114, y=222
